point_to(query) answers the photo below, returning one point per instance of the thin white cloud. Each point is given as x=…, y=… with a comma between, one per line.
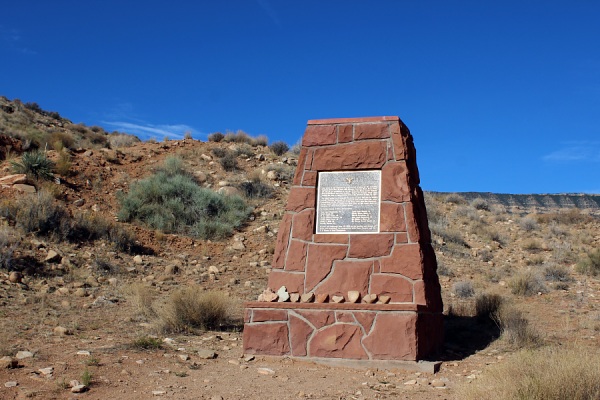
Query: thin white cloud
x=264, y=4
x=147, y=131
x=14, y=39
x=585, y=151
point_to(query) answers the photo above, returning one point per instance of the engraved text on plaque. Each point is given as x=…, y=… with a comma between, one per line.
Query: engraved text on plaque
x=348, y=202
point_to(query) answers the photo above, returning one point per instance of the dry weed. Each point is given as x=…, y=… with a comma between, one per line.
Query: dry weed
x=549, y=374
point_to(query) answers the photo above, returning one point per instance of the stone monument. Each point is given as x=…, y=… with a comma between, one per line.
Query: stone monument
x=354, y=273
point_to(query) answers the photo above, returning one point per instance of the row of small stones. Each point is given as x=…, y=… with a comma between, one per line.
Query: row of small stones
x=353, y=296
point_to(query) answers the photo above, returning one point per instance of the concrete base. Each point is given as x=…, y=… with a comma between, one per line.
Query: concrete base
x=430, y=367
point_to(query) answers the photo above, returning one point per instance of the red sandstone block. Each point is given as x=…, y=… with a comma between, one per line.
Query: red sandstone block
x=347, y=276
x=283, y=237
x=300, y=332
x=296, y=259
x=391, y=218
x=303, y=225
x=406, y=259
x=412, y=223
x=318, y=319
x=334, y=238
x=247, y=315
x=345, y=133
x=300, y=168
x=269, y=315
x=398, y=288
x=338, y=341
x=319, y=135
x=320, y=261
x=393, y=337
x=357, y=155
x=293, y=281
x=270, y=339
x=395, y=182
x=365, y=318
x=399, y=141
x=374, y=245
x=371, y=131
x=344, y=317
x=301, y=198
x=310, y=178
x=330, y=121
x=310, y=156
x=401, y=237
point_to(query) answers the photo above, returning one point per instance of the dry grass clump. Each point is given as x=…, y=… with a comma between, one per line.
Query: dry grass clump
x=141, y=297
x=189, y=308
x=463, y=289
x=532, y=245
x=480, y=204
x=8, y=245
x=570, y=217
x=116, y=140
x=528, y=224
x=590, y=265
x=455, y=198
x=545, y=374
x=527, y=283
x=215, y=137
x=487, y=305
x=515, y=328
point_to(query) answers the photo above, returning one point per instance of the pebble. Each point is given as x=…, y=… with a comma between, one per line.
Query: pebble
x=61, y=331
x=11, y=384
x=206, y=354
x=79, y=389
x=138, y=260
x=46, y=371
x=158, y=392
x=184, y=357
x=411, y=382
x=249, y=358
x=438, y=383
x=83, y=353
x=265, y=371
x=23, y=354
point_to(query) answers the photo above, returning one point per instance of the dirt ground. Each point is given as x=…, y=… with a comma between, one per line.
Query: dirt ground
x=101, y=321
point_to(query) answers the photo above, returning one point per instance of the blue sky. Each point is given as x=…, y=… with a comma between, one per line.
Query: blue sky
x=499, y=96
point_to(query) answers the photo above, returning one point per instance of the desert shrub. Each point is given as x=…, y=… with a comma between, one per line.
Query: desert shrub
x=100, y=139
x=91, y=227
x=528, y=224
x=8, y=244
x=485, y=231
x=552, y=373
x=279, y=148
x=487, y=305
x=238, y=137
x=141, y=297
x=215, y=137
x=480, y=204
x=35, y=164
x=116, y=140
x=188, y=135
x=590, y=264
x=146, y=343
x=296, y=147
x=219, y=152
x=527, y=283
x=189, y=308
x=441, y=228
x=79, y=128
x=229, y=162
x=534, y=260
x=40, y=214
x=284, y=172
x=260, y=140
x=60, y=138
x=486, y=255
x=33, y=106
x=532, y=245
x=173, y=166
x=455, y=198
x=255, y=188
x=515, y=328
x=244, y=150
x=176, y=204
x=463, y=289
x=557, y=273
x=570, y=217
x=63, y=165
x=444, y=270
x=465, y=211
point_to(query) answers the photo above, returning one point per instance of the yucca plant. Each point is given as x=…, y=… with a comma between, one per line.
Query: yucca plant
x=35, y=164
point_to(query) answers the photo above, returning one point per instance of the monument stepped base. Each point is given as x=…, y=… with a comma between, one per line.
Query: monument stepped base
x=367, y=332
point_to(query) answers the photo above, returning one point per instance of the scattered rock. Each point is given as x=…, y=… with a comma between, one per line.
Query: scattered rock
x=322, y=298
x=79, y=202
x=11, y=384
x=238, y=246
x=213, y=269
x=384, y=299
x=411, y=382
x=438, y=383
x=83, y=353
x=61, y=331
x=370, y=298
x=80, y=292
x=21, y=355
x=206, y=354
x=268, y=295
x=171, y=269
x=24, y=188
x=48, y=371
x=337, y=299
x=249, y=358
x=158, y=393
x=79, y=389
x=265, y=371
x=138, y=260
x=283, y=294
x=53, y=257
x=353, y=296
x=294, y=297
x=8, y=362
x=15, y=277
x=13, y=179
x=307, y=297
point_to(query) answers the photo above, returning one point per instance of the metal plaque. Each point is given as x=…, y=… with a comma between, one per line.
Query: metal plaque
x=348, y=202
